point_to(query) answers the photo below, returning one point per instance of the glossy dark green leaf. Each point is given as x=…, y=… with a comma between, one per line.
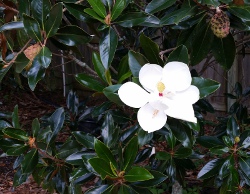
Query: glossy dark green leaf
x=179, y=54
x=68, y=148
x=84, y=139
x=143, y=154
x=144, y=137
x=219, y=150
x=12, y=26
x=158, y=5
x=205, y=86
x=21, y=62
x=224, y=50
x=19, y=178
x=107, y=46
x=89, y=82
x=15, y=118
x=77, y=11
x=205, y=105
x=151, y=50
x=77, y=172
x=35, y=127
x=4, y=124
x=201, y=45
x=56, y=121
x=32, y=28
x=93, y=14
x=125, y=189
x=138, y=174
x=14, y=133
x=161, y=155
x=72, y=35
x=30, y=161
x=76, y=158
x=54, y=20
x=98, y=189
x=229, y=142
x=136, y=61
x=109, y=131
x=209, y=141
x=44, y=57
x=98, y=66
x=98, y=7
x=73, y=103
x=104, y=152
x=158, y=179
x=111, y=93
x=117, y=9
x=98, y=110
x=24, y=7
x=244, y=164
x=130, y=152
x=8, y=143
x=233, y=129
x=40, y=10
x=129, y=133
x=102, y=167
x=35, y=73
x=210, y=169
x=131, y=19
x=182, y=153
x=17, y=150
x=242, y=12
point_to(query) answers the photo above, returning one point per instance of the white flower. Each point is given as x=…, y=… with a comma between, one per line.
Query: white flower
x=168, y=91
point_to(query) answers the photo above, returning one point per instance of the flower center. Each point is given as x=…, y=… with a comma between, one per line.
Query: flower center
x=160, y=88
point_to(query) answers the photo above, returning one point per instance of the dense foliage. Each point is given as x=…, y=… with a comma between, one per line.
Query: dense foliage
x=124, y=35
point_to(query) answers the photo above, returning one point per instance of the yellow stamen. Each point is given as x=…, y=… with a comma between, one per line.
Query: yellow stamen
x=160, y=87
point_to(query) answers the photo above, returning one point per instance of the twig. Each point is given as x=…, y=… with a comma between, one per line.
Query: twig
x=8, y=7
x=166, y=51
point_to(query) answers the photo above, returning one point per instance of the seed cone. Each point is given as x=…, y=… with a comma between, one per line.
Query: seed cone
x=220, y=24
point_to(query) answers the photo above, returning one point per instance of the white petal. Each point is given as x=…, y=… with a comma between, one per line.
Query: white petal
x=190, y=95
x=149, y=76
x=151, y=119
x=182, y=111
x=157, y=102
x=133, y=95
x=176, y=76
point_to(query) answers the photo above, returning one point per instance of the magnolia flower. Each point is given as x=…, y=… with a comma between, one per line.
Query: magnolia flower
x=167, y=91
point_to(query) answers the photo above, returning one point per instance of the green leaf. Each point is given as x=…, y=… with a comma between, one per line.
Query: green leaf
x=92, y=13
x=179, y=54
x=138, y=174
x=35, y=73
x=182, y=153
x=109, y=131
x=136, y=61
x=98, y=66
x=131, y=19
x=209, y=141
x=72, y=35
x=24, y=7
x=205, y=86
x=15, y=118
x=77, y=11
x=35, y=127
x=151, y=50
x=17, y=150
x=102, y=167
x=44, y=57
x=210, y=169
x=144, y=137
x=233, y=129
x=30, y=161
x=244, y=164
x=98, y=7
x=76, y=158
x=98, y=189
x=12, y=26
x=158, y=179
x=54, y=20
x=104, y=152
x=130, y=152
x=84, y=139
x=68, y=148
x=89, y=82
x=110, y=93
x=14, y=133
x=19, y=178
x=107, y=46
x=201, y=44
x=21, y=62
x=40, y=10
x=224, y=50
x=161, y=155
x=219, y=150
x=158, y=5
x=125, y=189
x=56, y=121
x=117, y=9
x=242, y=12
x=32, y=28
